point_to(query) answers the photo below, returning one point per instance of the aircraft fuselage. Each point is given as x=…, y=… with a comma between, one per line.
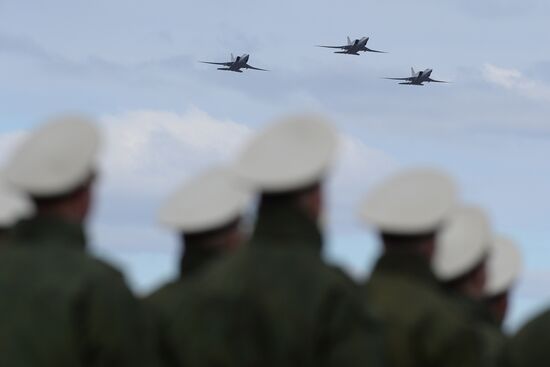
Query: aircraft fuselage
x=239, y=63
x=358, y=45
x=422, y=77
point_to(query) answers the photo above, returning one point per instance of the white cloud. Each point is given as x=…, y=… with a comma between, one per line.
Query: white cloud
x=514, y=80
x=147, y=151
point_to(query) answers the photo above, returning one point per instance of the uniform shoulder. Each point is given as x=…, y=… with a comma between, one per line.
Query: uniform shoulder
x=167, y=295
x=540, y=323
x=529, y=347
x=337, y=275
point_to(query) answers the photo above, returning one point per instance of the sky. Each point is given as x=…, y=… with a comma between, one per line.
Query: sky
x=133, y=65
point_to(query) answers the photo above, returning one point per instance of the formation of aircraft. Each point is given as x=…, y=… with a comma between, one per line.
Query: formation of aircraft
x=418, y=78
x=352, y=48
x=236, y=64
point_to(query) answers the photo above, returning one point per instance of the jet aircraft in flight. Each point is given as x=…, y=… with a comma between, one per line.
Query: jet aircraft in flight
x=353, y=48
x=418, y=78
x=236, y=64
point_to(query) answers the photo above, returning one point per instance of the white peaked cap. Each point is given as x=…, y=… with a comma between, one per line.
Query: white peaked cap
x=14, y=206
x=205, y=202
x=504, y=266
x=55, y=158
x=414, y=202
x=462, y=244
x=288, y=155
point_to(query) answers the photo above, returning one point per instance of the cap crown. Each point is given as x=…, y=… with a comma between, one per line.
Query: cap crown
x=55, y=158
x=462, y=244
x=504, y=266
x=288, y=155
x=205, y=202
x=413, y=202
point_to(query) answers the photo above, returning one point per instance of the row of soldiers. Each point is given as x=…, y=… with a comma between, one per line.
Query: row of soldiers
x=437, y=295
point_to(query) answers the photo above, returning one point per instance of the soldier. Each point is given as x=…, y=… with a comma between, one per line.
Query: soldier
x=275, y=302
x=529, y=346
x=504, y=267
x=460, y=264
x=422, y=327
x=207, y=213
x=13, y=207
x=60, y=307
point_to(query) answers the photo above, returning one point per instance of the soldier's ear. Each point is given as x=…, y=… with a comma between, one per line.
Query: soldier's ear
x=311, y=201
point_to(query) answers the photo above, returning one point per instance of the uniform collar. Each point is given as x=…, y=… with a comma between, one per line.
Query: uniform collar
x=407, y=265
x=284, y=225
x=43, y=231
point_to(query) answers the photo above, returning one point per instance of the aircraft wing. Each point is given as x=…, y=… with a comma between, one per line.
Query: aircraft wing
x=253, y=68
x=217, y=63
x=436, y=81
x=407, y=79
x=338, y=47
x=380, y=52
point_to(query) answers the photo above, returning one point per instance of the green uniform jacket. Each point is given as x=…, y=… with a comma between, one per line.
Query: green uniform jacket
x=61, y=308
x=422, y=328
x=275, y=303
x=483, y=322
x=167, y=306
x=529, y=347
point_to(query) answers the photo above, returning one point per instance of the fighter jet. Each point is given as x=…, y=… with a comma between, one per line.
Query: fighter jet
x=418, y=78
x=236, y=64
x=353, y=48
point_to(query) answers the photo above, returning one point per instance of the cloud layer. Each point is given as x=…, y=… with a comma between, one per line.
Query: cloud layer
x=514, y=80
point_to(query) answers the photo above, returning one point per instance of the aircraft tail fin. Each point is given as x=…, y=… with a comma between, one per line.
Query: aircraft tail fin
x=232, y=58
x=412, y=72
x=349, y=41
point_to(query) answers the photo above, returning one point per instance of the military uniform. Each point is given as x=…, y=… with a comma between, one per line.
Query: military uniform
x=529, y=347
x=462, y=249
x=275, y=303
x=61, y=308
x=484, y=324
x=423, y=328
x=205, y=211
x=169, y=304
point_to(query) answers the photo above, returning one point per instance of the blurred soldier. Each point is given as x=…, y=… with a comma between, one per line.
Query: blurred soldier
x=13, y=207
x=460, y=263
x=423, y=328
x=207, y=213
x=59, y=307
x=504, y=267
x=275, y=302
x=529, y=347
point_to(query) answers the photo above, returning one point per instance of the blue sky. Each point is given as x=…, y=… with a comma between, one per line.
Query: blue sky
x=133, y=65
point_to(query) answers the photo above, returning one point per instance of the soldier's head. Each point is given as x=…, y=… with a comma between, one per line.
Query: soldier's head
x=55, y=166
x=309, y=200
x=287, y=163
x=409, y=209
x=504, y=268
x=462, y=250
x=14, y=206
x=208, y=211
